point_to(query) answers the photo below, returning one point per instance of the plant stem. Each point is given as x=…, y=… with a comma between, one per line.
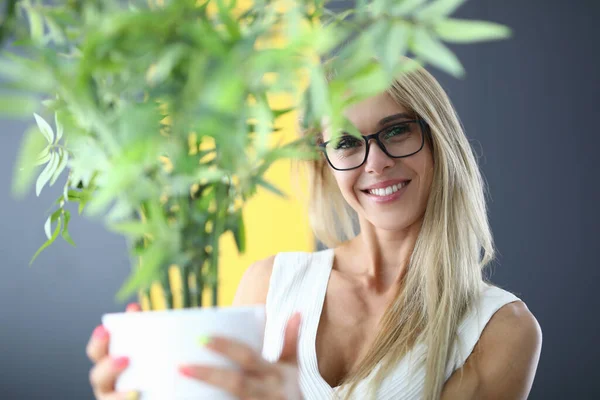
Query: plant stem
x=219, y=224
x=168, y=293
x=199, y=285
x=185, y=287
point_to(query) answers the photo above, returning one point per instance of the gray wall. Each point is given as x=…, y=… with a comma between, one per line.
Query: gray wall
x=528, y=104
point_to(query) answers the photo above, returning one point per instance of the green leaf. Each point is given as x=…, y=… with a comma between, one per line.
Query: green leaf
x=47, y=173
x=65, y=231
x=239, y=233
x=149, y=271
x=36, y=23
x=44, y=156
x=166, y=62
x=59, y=128
x=133, y=229
x=48, y=228
x=404, y=7
x=469, y=31
x=390, y=41
x=54, y=30
x=319, y=96
x=25, y=169
x=17, y=105
x=270, y=187
x=45, y=128
x=438, y=9
x=433, y=51
x=64, y=159
x=49, y=241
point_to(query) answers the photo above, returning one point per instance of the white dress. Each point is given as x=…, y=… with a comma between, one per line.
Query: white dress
x=299, y=283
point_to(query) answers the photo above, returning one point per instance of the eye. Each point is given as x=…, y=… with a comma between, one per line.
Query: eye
x=396, y=131
x=347, y=142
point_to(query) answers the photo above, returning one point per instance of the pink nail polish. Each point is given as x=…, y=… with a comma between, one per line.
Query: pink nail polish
x=100, y=333
x=186, y=371
x=133, y=307
x=121, y=362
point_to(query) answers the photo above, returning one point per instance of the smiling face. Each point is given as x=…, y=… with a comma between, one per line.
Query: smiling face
x=389, y=193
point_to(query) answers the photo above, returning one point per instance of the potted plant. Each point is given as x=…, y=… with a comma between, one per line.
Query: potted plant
x=164, y=127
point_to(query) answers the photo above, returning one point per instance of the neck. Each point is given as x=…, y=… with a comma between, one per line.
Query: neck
x=384, y=256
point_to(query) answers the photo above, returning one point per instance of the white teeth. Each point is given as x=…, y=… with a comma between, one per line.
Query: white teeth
x=388, y=190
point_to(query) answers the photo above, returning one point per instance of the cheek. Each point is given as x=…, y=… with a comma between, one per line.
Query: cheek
x=346, y=181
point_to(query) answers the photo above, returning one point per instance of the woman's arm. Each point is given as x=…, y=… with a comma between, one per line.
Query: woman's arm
x=254, y=285
x=504, y=361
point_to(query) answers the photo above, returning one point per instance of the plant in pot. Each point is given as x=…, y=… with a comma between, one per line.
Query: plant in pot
x=164, y=126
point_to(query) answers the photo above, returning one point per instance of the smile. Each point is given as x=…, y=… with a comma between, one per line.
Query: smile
x=386, y=191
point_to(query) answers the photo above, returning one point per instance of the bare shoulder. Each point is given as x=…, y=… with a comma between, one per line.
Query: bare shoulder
x=504, y=361
x=254, y=285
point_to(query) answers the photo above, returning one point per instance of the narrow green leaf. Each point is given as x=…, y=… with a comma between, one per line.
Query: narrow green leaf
x=59, y=128
x=46, y=173
x=469, y=31
x=45, y=128
x=405, y=7
x=25, y=169
x=319, y=96
x=438, y=9
x=148, y=272
x=63, y=160
x=65, y=231
x=48, y=228
x=36, y=24
x=166, y=62
x=49, y=241
x=56, y=215
x=433, y=51
x=44, y=156
x=54, y=30
x=17, y=105
x=270, y=187
x=264, y=125
x=239, y=233
x=131, y=228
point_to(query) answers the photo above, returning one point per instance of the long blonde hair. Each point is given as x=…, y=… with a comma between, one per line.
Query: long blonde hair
x=453, y=247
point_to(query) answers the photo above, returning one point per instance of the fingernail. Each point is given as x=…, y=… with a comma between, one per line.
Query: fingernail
x=204, y=340
x=187, y=371
x=100, y=333
x=132, y=396
x=132, y=307
x=121, y=362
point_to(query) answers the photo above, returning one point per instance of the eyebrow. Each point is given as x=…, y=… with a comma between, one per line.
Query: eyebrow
x=394, y=117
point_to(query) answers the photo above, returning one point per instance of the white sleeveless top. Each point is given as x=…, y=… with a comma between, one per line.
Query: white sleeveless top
x=299, y=282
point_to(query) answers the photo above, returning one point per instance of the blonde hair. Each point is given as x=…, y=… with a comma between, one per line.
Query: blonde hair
x=453, y=247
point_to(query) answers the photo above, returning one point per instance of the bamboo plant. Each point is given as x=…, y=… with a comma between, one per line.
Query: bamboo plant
x=163, y=123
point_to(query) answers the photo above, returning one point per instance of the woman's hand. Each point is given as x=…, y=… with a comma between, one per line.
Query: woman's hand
x=258, y=378
x=107, y=369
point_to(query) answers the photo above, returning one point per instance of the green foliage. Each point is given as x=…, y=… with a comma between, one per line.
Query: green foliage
x=162, y=124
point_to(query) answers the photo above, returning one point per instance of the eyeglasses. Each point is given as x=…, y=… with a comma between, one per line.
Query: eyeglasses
x=403, y=139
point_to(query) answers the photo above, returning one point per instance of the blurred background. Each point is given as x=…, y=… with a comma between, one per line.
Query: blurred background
x=528, y=105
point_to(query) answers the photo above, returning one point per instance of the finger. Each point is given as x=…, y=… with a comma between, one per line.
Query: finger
x=97, y=347
x=133, y=307
x=104, y=374
x=238, y=383
x=240, y=353
x=289, y=352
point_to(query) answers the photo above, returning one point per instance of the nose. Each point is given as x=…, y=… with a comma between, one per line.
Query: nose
x=377, y=160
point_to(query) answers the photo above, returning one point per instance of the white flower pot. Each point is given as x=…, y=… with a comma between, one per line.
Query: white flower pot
x=157, y=342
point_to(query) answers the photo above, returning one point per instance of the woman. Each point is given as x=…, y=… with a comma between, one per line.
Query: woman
x=400, y=310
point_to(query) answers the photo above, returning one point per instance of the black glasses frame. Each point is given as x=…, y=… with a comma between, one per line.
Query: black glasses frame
x=424, y=130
